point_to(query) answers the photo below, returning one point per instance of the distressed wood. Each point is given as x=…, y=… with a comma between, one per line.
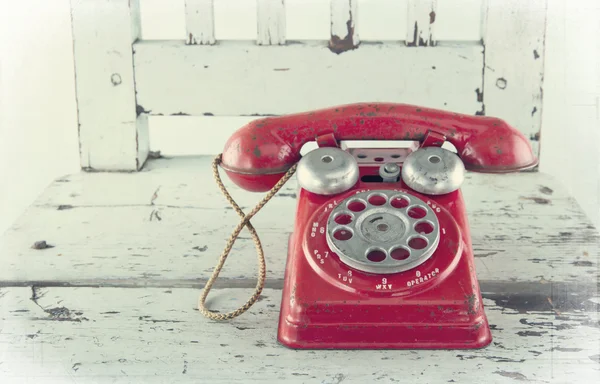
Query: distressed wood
x=113, y=133
x=514, y=38
x=344, y=34
x=284, y=80
x=199, y=22
x=271, y=22
x=168, y=224
x=421, y=23
x=149, y=335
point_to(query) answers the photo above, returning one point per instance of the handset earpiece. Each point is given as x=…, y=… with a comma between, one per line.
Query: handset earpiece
x=433, y=171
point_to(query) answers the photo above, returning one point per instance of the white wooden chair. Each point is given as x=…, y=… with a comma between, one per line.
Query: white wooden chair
x=112, y=297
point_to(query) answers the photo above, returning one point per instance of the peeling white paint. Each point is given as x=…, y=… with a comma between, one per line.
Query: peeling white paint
x=271, y=22
x=199, y=22
x=153, y=335
x=525, y=228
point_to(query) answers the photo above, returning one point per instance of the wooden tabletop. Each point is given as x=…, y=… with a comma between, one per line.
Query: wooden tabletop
x=114, y=299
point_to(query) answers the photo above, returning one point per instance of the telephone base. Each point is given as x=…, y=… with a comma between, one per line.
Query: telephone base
x=385, y=336
x=327, y=304
x=448, y=315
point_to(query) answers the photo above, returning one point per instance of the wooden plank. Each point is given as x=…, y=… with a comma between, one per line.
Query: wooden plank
x=514, y=38
x=271, y=22
x=199, y=22
x=173, y=78
x=112, y=133
x=421, y=23
x=149, y=335
x=308, y=20
x=458, y=21
x=169, y=224
x=344, y=34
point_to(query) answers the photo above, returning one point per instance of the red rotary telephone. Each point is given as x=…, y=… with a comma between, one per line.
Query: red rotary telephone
x=380, y=255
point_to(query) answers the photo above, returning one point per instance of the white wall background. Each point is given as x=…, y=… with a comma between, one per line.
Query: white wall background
x=38, y=125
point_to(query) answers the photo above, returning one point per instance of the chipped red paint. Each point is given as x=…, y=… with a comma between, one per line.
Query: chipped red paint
x=272, y=145
x=433, y=139
x=327, y=140
x=327, y=304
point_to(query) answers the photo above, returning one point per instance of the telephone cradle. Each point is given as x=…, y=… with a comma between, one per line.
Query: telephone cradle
x=380, y=255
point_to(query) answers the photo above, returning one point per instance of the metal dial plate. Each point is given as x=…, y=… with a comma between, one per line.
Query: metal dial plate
x=383, y=231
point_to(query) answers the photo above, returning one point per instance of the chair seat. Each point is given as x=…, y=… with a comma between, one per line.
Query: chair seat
x=114, y=296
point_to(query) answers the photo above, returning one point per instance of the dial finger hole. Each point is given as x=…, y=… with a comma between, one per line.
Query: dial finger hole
x=424, y=227
x=343, y=218
x=395, y=156
x=417, y=212
x=342, y=234
x=417, y=243
x=399, y=202
x=361, y=156
x=376, y=255
x=377, y=199
x=357, y=205
x=379, y=159
x=400, y=253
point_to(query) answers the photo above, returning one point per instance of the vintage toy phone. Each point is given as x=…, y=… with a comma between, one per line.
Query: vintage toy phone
x=380, y=255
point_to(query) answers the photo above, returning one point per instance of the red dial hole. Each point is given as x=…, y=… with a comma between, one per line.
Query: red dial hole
x=376, y=256
x=417, y=213
x=356, y=206
x=424, y=228
x=377, y=200
x=342, y=234
x=343, y=218
x=400, y=254
x=379, y=159
x=417, y=243
x=399, y=202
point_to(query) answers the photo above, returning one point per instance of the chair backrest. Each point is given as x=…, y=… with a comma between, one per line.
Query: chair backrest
x=122, y=79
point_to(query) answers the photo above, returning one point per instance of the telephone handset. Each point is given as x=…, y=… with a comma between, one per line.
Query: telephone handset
x=380, y=255
x=260, y=153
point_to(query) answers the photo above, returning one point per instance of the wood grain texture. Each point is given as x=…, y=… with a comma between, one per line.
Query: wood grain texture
x=271, y=22
x=514, y=38
x=119, y=335
x=421, y=23
x=289, y=79
x=113, y=133
x=199, y=22
x=168, y=224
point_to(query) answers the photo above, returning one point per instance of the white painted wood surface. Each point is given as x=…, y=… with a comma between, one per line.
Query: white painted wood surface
x=514, y=38
x=271, y=22
x=115, y=299
x=120, y=335
x=168, y=224
x=421, y=23
x=174, y=78
x=344, y=32
x=199, y=22
x=113, y=134
x=291, y=78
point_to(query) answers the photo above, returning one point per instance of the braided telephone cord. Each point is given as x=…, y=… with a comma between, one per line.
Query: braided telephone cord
x=245, y=222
